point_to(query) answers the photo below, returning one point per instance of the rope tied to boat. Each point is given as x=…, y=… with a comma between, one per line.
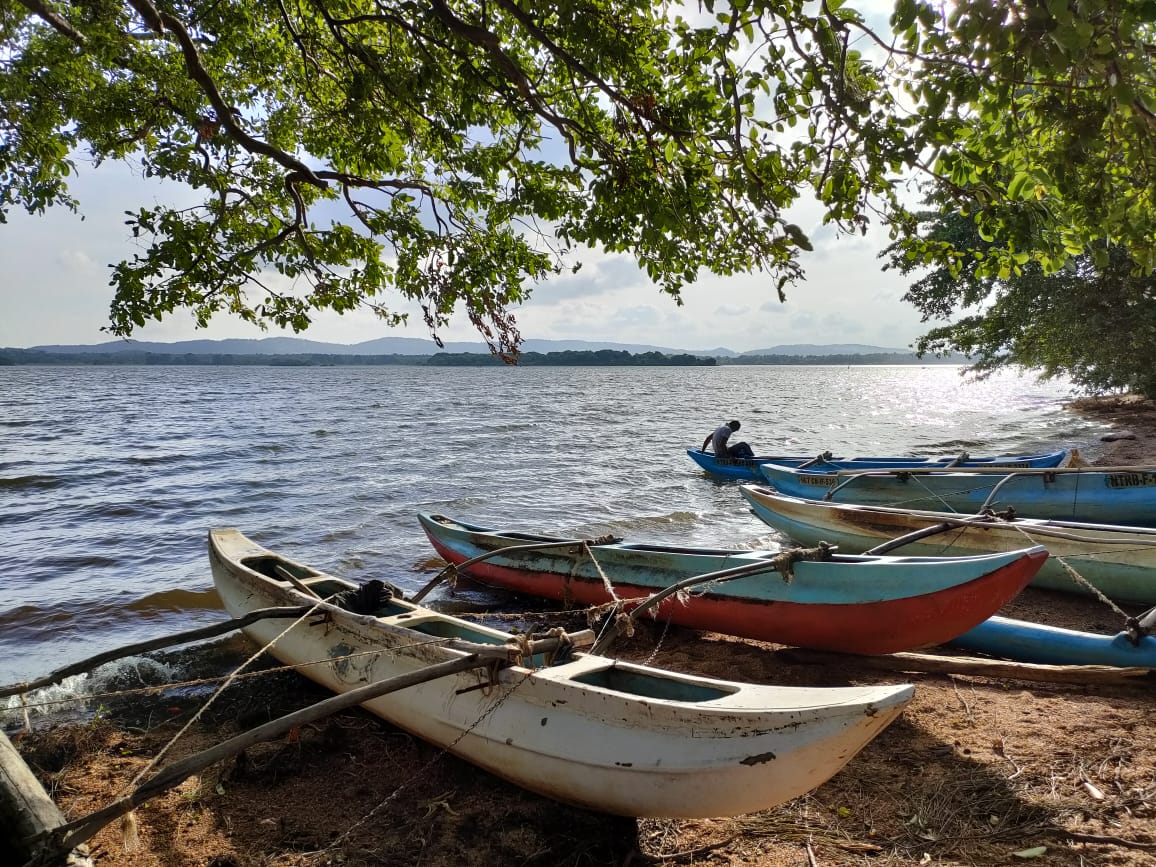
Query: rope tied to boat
x=563, y=651
x=1136, y=628
x=821, y=458
x=1140, y=626
x=784, y=562
x=601, y=572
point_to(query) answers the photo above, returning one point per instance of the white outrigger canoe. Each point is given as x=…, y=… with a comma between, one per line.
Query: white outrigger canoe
x=592, y=731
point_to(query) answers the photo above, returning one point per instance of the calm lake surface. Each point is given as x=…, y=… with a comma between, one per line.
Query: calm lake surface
x=110, y=478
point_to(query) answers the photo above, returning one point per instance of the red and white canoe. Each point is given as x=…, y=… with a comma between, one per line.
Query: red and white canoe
x=850, y=604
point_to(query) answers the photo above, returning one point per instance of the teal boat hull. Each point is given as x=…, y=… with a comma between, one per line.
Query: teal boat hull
x=1121, y=496
x=850, y=604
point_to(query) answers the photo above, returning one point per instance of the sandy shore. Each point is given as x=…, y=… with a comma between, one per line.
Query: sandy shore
x=976, y=770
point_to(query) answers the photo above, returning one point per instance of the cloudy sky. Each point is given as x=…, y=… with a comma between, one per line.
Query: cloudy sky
x=56, y=269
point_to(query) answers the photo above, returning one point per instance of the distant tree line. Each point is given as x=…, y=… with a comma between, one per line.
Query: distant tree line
x=858, y=358
x=574, y=358
x=208, y=359
x=568, y=358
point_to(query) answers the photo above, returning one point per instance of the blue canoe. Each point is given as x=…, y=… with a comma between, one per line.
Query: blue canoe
x=747, y=469
x=1097, y=495
x=1051, y=645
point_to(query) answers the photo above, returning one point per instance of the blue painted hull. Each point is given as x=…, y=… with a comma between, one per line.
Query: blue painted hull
x=1050, y=645
x=1122, y=496
x=747, y=469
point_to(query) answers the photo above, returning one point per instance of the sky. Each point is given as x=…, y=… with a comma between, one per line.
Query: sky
x=55, y=290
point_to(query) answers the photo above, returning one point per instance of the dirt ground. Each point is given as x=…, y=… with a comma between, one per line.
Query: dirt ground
x=976, y=771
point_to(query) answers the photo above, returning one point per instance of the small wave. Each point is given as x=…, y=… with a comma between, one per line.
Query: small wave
x=71, y=562
x=951, y=446
x=156, y=460
x=83, y=694
x=177, y=600
x=647, y=522
x=35, y=482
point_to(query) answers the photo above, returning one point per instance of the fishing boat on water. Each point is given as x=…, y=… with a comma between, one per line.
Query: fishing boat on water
x=845, y=603
x=1116, y=560
x=747, y=469
x=591, y=731
x=1098, y=495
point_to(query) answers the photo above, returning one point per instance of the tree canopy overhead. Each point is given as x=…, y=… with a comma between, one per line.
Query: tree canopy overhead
x=1092, y=322
x=452, y=151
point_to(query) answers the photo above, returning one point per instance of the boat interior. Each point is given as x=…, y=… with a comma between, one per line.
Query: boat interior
x=644, y=683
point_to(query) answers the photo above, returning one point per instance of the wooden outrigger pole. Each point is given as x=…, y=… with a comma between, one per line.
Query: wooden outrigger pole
x=35, y=833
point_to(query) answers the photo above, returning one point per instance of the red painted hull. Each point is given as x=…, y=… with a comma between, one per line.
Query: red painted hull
x=891, y=626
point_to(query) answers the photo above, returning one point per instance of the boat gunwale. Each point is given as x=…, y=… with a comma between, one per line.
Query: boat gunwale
x=877, y=697
x=966, y=519
x=737, y=553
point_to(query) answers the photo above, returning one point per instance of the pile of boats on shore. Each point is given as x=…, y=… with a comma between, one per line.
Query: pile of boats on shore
x=872, y=576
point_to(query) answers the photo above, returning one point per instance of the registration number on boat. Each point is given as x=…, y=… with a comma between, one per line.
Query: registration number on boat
x=819, y=481
x=1131, y=480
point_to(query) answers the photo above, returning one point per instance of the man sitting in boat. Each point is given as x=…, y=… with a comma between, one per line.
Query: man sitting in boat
x=718, y=441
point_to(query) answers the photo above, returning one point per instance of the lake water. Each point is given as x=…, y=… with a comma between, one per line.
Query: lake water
x=110, y=478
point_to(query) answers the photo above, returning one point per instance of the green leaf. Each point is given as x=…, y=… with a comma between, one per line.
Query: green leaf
x=798, y=236
x=1018, y=185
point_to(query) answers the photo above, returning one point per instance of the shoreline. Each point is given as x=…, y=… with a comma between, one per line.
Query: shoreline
x=1133, y=419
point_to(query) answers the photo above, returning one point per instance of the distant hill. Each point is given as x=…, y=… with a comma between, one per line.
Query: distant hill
x=380, y=346
x=419, y=346
x=828, y=349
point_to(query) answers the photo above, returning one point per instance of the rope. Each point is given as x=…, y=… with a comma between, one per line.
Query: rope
x=422, y=770
x=917, y=479
x=1008, y=517
x=784, y=562
x=201, y=710
x=1078, y=578
x=525, y=655
x=607, y=586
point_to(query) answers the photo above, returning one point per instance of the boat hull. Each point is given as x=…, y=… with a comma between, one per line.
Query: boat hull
x=1051, y=645
x=1118, y=561
x=1124, y=496
x=747, y=469
x=868, y=605
x=600, y=734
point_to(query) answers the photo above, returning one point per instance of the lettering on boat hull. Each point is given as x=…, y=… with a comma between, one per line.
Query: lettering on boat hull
x=1130, y=480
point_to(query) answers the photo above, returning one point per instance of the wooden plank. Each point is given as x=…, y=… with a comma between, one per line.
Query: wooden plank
x=968, y=665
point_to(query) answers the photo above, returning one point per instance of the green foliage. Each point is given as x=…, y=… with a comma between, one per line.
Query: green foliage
x=1093, y=321
x=454, y=152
